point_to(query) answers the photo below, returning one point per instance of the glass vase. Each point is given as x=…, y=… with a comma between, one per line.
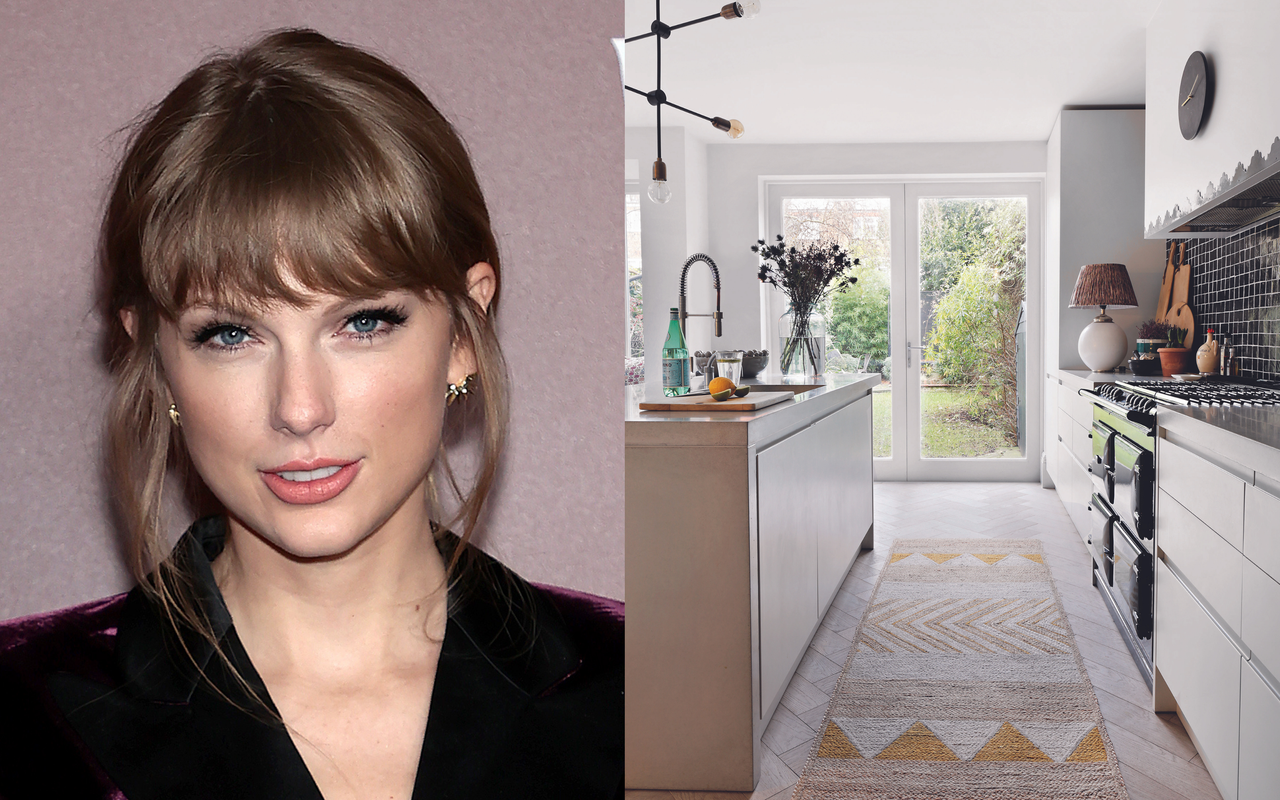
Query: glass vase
x=802, y=344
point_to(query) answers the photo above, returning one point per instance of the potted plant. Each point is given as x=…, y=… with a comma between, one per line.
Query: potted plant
x=1176, y=358
x=1152, y=335
x=807, y=276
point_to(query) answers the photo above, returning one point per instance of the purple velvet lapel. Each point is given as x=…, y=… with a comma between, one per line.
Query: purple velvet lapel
x=509, y=716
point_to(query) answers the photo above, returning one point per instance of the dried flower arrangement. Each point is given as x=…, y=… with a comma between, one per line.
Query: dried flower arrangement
x=806, y=275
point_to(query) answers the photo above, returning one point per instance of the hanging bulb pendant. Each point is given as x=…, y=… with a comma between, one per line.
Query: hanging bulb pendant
x=659, y=191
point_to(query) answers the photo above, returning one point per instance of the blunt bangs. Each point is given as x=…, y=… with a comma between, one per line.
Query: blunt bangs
x=285, y=193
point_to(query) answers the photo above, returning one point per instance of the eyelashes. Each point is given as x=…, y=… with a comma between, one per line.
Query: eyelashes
x=363, y=325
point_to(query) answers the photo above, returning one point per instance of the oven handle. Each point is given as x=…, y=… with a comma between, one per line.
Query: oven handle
x=1146, y=420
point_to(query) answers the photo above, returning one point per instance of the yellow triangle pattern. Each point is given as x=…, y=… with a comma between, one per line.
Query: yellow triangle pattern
x=939, y=558
x=836, y=745
x=896, y=557
x=918, y=743
x=1034, y=557
x=991, y=558
x=1090, y=748
x=1010, y=745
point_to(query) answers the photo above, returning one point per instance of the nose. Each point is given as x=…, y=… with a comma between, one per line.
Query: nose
x=303, y=399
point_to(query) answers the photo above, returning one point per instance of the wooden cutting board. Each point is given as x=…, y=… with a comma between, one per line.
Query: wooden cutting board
x=1180, y=315
x=752, y=402
x=1166, y=286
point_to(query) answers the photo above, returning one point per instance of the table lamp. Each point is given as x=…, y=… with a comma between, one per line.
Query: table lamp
x=1103, y=344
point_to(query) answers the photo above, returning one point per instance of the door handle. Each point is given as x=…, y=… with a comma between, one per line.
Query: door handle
x=911, y=347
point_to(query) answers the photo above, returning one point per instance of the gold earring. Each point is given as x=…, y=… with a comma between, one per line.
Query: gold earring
x=174, y=416
x=459, y=389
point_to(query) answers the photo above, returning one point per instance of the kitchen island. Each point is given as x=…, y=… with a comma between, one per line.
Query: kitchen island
x=740, y=530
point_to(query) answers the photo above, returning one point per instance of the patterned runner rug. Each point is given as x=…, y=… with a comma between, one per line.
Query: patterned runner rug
x=964, y=682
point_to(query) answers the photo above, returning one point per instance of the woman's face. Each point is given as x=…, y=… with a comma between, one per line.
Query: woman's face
x=316, y=425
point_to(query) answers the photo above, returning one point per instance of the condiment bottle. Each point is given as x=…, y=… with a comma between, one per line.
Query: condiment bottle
x=1207, y=356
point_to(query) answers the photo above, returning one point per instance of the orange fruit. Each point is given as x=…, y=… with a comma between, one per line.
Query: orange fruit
x=718, y=385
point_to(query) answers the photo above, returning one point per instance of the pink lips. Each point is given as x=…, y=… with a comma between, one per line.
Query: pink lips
x=310, y=492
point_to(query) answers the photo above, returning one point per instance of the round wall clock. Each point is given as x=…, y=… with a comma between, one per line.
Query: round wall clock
x=1194, y=95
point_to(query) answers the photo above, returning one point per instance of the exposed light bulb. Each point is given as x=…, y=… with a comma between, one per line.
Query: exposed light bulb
x=659, y=192
x=750, y=8
x=735, y=129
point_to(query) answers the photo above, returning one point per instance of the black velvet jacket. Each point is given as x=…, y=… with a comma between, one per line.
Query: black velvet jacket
x=95, y=703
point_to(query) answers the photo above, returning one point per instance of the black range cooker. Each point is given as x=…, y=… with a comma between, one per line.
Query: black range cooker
x=1122, y=507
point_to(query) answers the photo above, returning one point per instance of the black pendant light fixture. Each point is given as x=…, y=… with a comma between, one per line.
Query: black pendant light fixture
x=659, y=192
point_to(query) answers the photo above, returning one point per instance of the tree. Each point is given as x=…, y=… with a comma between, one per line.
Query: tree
x=860, y=316
x=975, y=323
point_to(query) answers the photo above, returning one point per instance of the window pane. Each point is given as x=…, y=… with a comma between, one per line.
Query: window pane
x=635, y=294
x=973, y=259
x=857, y=318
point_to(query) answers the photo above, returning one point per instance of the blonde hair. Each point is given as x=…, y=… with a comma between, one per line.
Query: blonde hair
x=296, y=161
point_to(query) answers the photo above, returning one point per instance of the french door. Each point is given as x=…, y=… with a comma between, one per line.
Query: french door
x=945, y=308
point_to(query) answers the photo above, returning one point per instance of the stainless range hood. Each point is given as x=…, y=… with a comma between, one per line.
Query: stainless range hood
x=1248, y=198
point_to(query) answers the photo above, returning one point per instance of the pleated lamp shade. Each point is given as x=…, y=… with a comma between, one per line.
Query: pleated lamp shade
x=1104, y=285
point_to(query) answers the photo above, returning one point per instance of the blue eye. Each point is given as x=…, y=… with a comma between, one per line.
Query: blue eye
x=231, y=337
x=364, y=323
x=221, y=336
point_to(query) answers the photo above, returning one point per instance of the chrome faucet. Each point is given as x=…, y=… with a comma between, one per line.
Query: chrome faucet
x=684, y=274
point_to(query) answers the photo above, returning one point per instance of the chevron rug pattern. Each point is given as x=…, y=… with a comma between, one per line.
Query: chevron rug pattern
x=964, y=683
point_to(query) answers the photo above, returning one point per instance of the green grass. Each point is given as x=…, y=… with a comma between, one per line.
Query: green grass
x=949, y=430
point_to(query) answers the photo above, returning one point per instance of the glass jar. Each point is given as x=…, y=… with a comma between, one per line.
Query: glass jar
x=802, y=344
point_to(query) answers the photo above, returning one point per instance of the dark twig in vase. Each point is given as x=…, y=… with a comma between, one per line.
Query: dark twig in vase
x=807, y=276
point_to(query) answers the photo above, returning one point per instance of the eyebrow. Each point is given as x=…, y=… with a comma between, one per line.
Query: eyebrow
x=249, y=310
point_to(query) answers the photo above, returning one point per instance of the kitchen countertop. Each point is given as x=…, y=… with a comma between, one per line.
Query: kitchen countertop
x=1248, y=436
x=649, y=428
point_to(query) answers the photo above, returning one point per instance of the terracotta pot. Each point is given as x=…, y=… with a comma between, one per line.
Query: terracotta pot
x=1175, y=361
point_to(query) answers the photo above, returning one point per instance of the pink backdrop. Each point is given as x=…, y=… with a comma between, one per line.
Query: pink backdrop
x=533, y=88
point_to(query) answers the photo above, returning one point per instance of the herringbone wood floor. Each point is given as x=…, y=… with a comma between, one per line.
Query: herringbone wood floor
x=1157, y=758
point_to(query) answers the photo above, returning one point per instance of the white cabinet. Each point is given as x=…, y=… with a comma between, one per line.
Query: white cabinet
x=845, y=491
x=815, y=503
x=1217, y=644
x=1202, y=670
x=1259, y=735
x=788, y=557
x=1206, y=490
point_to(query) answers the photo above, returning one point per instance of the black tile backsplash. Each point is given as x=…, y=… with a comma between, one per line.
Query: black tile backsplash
x=1235, y=289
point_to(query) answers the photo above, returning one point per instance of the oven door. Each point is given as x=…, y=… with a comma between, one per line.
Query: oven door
x=1101, y=522
x=1133, y=486
x=1134, y=577
x=1103, y=462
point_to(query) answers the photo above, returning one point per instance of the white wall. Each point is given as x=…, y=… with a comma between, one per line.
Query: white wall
x=669, y=234
x=1239, y=38
x=735, y=171
x=1094, y=197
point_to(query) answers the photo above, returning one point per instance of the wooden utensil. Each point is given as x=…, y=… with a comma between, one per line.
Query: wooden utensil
x=1166, y=286
x=752, y=402
x=1180, y=315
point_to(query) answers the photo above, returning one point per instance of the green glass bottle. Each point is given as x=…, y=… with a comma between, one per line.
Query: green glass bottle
x=675, y=359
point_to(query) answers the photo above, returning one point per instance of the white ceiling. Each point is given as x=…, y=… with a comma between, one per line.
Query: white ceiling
x=893, y=71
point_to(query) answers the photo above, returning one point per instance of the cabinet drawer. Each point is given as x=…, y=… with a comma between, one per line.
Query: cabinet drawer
x=1210, y=492
x=1259, y=732
x=1211, y=565
x=1262, y=529
x=1080, y=408
x=1258, y=628
x=1081, y=444
x=1202, y=670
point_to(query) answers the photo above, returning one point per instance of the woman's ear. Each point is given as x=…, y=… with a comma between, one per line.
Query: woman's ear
x=129, y=319
x=482, y=282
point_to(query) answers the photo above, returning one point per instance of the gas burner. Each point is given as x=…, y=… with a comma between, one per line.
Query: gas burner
x=1205, y=393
